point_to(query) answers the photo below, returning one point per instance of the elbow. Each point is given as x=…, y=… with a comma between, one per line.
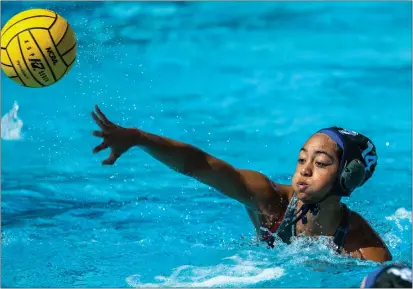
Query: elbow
x=195, y=163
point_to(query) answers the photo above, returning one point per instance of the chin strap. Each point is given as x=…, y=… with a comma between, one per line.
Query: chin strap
x=313, y=208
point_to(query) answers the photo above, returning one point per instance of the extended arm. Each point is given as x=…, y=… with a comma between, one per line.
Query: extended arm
x=248, y=187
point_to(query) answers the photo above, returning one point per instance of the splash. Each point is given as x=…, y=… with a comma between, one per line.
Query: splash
x=11, y=124
x=234, y=271
x=400, y=215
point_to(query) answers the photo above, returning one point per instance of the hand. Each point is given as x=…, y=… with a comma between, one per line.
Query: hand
x=115, y=137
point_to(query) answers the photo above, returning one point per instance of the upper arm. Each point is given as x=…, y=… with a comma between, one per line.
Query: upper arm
x=376, y=254
x=365, y=243
x=248, y=187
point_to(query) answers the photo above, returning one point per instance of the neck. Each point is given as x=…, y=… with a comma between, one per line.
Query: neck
x=327, y=219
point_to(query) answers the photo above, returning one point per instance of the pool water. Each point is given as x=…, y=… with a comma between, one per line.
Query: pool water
x=246, y=82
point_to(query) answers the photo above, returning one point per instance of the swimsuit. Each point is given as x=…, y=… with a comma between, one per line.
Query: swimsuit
x=285, y=228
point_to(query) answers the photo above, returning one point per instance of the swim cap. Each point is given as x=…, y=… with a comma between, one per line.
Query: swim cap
x=358, y=159
x=392, y=276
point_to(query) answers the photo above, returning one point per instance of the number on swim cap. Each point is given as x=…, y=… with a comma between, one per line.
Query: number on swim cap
x=349, y=132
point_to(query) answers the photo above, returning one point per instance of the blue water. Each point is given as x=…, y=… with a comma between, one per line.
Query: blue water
x=248, y=83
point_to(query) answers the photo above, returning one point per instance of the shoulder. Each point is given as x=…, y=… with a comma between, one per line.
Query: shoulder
x=363, y=241
x=271, y=196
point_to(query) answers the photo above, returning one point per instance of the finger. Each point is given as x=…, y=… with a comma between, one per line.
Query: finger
x=102, y=116
x=110, y=160
x=99, y=133
x=100, y=147
x=98, y=121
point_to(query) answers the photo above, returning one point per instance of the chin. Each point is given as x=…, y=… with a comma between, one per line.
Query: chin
x=306, y=197
x=303, y=195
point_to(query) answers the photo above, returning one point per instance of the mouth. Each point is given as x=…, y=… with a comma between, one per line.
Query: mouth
x=302, y=186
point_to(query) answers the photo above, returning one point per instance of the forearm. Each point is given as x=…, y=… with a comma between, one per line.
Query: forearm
x=181, y=157
x=186, y=159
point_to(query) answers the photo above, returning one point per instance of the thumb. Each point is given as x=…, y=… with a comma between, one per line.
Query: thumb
x=110, y=160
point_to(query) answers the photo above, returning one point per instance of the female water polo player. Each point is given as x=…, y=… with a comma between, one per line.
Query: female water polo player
x=331, y=164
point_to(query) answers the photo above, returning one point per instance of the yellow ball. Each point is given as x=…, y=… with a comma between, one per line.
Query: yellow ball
x=38, y=48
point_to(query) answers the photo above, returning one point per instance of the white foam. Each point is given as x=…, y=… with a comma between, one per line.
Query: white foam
x=243, y=271
x=399, y=215
x=392, y=240
x=11, y=124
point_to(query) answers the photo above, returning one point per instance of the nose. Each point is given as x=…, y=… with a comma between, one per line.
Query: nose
x=306, y=170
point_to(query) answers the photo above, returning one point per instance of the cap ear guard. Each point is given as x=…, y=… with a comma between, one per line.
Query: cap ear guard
x=353, y=175
x=359, y=170
x=358, y=160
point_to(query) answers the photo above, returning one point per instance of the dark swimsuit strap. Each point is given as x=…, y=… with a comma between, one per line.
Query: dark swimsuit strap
x=342, y=229
x=287, y=216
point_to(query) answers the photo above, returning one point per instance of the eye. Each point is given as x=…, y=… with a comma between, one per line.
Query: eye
x=301, y=161
x=321, y=165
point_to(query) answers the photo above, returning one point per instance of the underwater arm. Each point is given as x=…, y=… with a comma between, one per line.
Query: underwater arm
x=364, y=242
x=376, y=254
